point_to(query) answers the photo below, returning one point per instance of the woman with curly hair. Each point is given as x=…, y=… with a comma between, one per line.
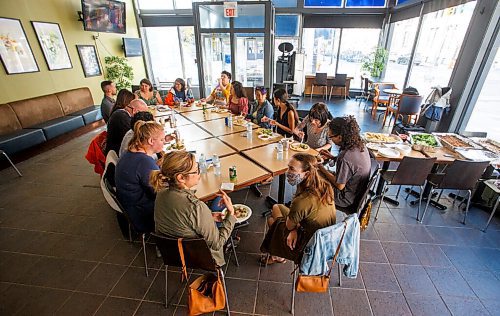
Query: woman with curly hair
x=353, y=164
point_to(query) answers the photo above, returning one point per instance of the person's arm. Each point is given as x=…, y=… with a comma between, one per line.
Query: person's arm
x=204, y=226
x=344, y=173
x=243, y=106
x=169, y=100
x=144, y=172
x=189, y=96
x=330, y=177
x=296, y=215
x=158, y=98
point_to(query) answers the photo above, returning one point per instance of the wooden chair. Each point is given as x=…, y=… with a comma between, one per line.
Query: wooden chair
x=381, y=98
x=407, y=105
x=321, y=80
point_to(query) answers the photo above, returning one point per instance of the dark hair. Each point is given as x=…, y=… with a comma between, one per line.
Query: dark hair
x=141, y=116
x=181, y=82
x=104, y=84
x=320, y=112
x=123, y=99
x=348, y=128
x=146, y=81
x=262, y=89
x=282, y=96
x=238, y=89
x=227, y=73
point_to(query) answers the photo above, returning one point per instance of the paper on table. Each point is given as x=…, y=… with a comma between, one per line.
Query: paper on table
x=227, y=186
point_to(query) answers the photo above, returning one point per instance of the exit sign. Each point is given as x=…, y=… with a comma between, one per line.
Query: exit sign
x=230, y=9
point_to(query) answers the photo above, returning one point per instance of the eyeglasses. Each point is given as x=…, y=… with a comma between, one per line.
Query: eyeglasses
x=195, y=172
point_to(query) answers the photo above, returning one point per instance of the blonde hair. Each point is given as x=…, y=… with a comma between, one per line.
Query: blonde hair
x=174, y=163
x=314, y=183
x=143, y=130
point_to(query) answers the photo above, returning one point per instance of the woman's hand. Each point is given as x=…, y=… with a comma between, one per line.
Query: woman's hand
x=300, y=134
x=169, y=138
x=226, y=200
x=325, y=154
x=291, y=240
x=265, y=119
x=273, y=122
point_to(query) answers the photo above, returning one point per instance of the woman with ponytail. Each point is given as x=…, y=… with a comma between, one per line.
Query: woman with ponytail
x=286, y=117
x=179, y=213
x=353, y=164
x=133, y=171
x=312, y=208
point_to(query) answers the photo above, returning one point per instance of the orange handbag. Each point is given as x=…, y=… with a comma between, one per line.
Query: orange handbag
x=318, y=283
x=206, y=293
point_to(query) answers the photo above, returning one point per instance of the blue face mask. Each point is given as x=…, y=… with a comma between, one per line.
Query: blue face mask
x=294, y=178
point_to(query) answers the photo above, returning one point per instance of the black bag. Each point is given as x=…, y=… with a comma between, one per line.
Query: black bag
x=411, y=91
x=405, y=128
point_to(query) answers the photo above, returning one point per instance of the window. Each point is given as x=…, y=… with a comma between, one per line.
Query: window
x=322, y=3
x=287, y=25
x=285, y=3
x=321, y=46
x=212, y=16
x=485, y=116
x=250, y=16
x=403, y=36
x=401, y=1
x=365, y=3
x=183, y=4
x=439, y=43
x=155, y=4
x=189, y=54
x=355, y=47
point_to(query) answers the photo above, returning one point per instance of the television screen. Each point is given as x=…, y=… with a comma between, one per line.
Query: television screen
x=104, y=16
x=132, y=47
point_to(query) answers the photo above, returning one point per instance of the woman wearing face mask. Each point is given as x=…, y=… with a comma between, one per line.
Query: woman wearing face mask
x=316, y=125
x=312, y=208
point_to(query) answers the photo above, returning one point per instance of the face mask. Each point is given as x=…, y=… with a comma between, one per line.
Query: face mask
x=294, y=178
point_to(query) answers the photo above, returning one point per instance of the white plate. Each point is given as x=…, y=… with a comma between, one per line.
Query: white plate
x=388, y=152
x=241, y=219
x=264, y=137
x=374, y=146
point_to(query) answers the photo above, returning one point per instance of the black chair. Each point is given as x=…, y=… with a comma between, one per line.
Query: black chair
x=11, y=163
x=461, y=175
x=196, y=256
x=340, y=81
x=320, y=80
x=408, y=105
x=411, y=171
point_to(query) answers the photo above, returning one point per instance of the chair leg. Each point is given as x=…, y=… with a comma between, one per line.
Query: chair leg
x=381, y=201
x=12, y=164
x=312, y=92
x=330, y=97
x=294, y=276
x=469, y=195
x=345, y=93
x=420, y=201
x=439, y=196
x=455, y=197
x=397, y=193
x=129, y=233
x=225, y=290
x=426, y=206
x=492, y=213
x=166, y=286
x=340, y=274
x=409, y=192
x=234, y=251
x=145, y=255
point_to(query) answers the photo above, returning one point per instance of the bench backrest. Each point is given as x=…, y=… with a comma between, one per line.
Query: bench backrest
x=37, y=110
x=8, y=120
x=75, y=100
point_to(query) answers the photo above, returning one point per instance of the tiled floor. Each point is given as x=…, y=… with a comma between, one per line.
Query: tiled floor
x=61, y=252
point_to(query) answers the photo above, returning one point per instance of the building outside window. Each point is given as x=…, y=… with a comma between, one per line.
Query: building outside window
x=321, y=47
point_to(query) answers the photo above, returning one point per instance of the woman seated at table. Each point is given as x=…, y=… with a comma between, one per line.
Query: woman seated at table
x=263, y=108
x=352, y=170
x=133, y=172
x=220, y=95
x=123, y=99
x=286, y=117
x=147, y=94
x=316, y=125
x=312, y=208
x=179, y=213
x=238, y=102
x=179, y=93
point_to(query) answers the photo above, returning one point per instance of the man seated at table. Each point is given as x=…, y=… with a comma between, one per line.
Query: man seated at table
x=353, y=164
x=220, y=95
x=108, y=101
x=119, y=124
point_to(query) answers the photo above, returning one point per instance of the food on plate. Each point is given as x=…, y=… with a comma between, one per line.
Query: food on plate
x=265, y=131
x=425, y=140
x=299, y=147
x=178, y=146
x=240, y=120
x=381, y=138
x=218, y=110
x=264, y=137
x=240, y=211
x=454, y=141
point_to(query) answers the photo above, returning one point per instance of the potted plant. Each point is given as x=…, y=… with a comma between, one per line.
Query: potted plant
x=375, y=64
x=119, y=71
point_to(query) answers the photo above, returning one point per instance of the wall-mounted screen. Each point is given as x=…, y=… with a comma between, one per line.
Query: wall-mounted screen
x=104, y=16
x=132, y=47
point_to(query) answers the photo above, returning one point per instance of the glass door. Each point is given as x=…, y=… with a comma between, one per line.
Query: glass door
x=216, y=50
x=250, y=59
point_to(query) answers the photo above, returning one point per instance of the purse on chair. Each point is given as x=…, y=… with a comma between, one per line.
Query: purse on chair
x=206, y=293
x=318, y=283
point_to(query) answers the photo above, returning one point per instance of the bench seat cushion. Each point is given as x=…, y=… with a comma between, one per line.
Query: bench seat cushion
x=21, y=139
x=90, y=114
x=59, y=126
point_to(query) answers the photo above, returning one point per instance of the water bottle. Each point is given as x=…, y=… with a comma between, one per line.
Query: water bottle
x=249, y=130
x=202, y=164
x=280, y=150
x=216, y=162
x=230, y=121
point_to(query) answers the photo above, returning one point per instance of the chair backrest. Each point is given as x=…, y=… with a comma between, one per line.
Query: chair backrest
x=366, y=195
x=196, y=252
x=340, y=80
x=321, y=79
x=463, y=175
x=413, y=171
x=108, y=181
x=365, y=84
x=410, y=104
x=382, y=86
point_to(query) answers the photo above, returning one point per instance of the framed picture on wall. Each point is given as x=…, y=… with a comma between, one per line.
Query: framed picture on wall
x=52, y=43
x=89, y=60
x=15, y=51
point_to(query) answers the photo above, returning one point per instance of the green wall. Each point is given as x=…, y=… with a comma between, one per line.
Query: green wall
x=64, y=12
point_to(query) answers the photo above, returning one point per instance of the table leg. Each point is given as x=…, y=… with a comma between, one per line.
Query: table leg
x=281, y=194
x=380, y=187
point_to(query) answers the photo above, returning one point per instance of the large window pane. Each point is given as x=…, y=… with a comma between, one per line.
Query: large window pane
x=365, y=3
x=403, y=36
x=250, y=59
x=189, y=54
x=486, y=114
x=250, y=16
x=212, y=16
x=216, y=58
x=322, y=3
x=285, y=3
x=163, y=44
x=287, y=25
x=155, y=4
x=321, y=46
x=440, y=40
x=356, y=46
x=183, y=4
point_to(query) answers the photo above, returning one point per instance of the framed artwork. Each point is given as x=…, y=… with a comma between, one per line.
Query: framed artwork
x=15, y=51
x=88, y=58
x=52, y=42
